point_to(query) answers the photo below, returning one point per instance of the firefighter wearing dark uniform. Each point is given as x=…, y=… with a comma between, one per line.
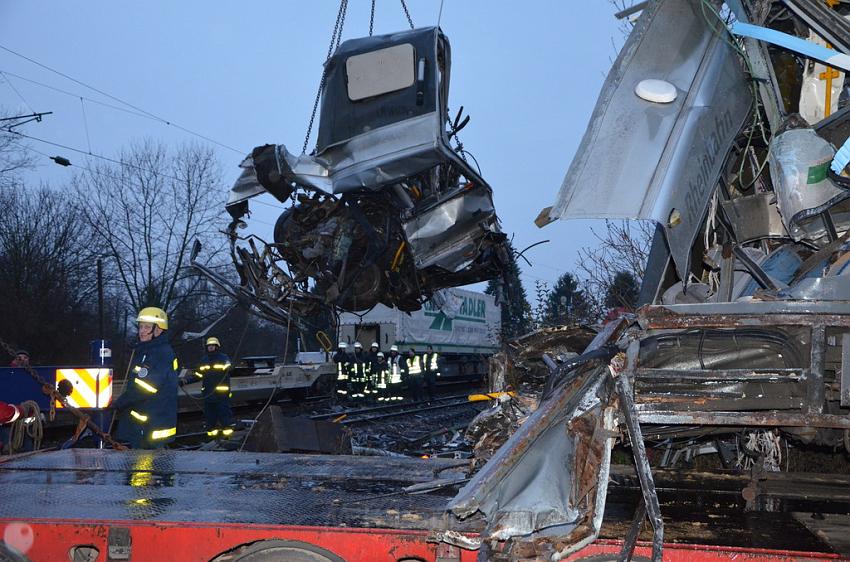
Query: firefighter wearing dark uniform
x=431, y=370
x=413, y=380
x=396, y=368
x=147, y=409
x=214, y=372
x=358, y=380
x=371, y=389
x=380, y=376
x=343, y=372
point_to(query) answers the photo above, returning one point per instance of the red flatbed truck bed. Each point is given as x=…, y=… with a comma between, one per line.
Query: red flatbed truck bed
x=103, y=505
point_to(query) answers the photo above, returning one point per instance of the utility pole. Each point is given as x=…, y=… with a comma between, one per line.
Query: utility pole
x=100, y=298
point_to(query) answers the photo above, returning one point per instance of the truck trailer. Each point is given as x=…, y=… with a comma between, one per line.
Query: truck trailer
x=461, y=325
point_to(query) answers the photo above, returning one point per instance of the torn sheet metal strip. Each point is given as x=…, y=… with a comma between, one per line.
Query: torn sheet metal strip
x=642, y=466
x=808, y=49
x=661, y=161
x=825, y=21
x=532, y=483
x=768, y=418
x=760, y=64
x=748, y=313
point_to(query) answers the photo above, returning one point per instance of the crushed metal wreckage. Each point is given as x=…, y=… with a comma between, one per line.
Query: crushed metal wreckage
x=725, y=124
x=384, y=210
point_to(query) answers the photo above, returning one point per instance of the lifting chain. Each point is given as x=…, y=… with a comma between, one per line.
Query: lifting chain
x=336, y=37
x=54, y=395
x=407, y=13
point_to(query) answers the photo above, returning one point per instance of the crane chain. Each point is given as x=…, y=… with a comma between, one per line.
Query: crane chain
x=372, y=19
x=336, y=37
x=407, y=13
x=54, y=394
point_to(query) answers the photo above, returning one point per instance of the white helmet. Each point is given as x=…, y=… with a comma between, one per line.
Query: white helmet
x=374, y=344
x=380, y=354
x=357, y=345
x=394, y=348
x=342, y=345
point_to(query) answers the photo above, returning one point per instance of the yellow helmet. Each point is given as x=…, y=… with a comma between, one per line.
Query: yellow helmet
x=153, y=315
x=213, y=341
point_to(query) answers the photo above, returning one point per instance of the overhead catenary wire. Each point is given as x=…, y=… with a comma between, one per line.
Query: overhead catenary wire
x=75, y=95
x=14, y=89
x=92, y=154
x=85, y=123
x=121, y=101
x=110, y=176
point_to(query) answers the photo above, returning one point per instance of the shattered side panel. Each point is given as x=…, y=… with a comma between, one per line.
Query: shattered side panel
x=525, y=488
x=550, y=477
x=636, y=156
x=441, y=236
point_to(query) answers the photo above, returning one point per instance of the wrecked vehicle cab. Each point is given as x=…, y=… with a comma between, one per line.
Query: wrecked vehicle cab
x=384, y=210
x=743, y=340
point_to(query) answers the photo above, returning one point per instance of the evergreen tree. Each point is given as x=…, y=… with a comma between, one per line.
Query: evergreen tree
x=623, y=291
x=566, y=303
x=514, y=300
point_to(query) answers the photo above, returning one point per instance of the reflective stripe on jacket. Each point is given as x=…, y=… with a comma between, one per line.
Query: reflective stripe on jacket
x=214, y=370
x=150, y=395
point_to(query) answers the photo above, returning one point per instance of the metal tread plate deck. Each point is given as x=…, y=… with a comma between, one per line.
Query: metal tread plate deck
x=224, y=487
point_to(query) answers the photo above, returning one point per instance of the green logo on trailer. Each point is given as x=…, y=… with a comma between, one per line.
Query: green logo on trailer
x=441, y=323
x=471, y=309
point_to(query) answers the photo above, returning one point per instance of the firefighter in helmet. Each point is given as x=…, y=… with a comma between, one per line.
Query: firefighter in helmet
x=214, y=372
x=343, y=372
x=147, y=409
x=371, y=390
x=412, y=376
x=431, y=368
x=380, y=376
x=358, y=380
x=396, y=366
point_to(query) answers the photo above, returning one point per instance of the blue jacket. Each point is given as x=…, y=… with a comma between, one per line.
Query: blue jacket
x=150, y=396
x=214, y=372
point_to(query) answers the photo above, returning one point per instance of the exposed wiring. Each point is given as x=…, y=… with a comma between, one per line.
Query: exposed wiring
x=757, y=122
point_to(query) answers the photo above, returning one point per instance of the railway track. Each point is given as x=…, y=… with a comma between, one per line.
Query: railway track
x=353, y=416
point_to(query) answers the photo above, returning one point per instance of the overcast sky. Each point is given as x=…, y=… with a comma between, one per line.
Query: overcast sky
x=246, y=73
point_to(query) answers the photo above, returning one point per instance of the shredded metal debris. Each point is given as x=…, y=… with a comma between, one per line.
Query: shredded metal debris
x=730, y=145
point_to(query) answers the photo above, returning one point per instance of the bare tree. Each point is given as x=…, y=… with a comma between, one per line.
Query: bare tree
x=14, y=157
x=146, y=212
x=622, y=247
x=47, y=275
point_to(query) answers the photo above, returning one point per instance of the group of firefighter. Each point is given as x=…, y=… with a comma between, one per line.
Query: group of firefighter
x=375, y=377
x=146, y=412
